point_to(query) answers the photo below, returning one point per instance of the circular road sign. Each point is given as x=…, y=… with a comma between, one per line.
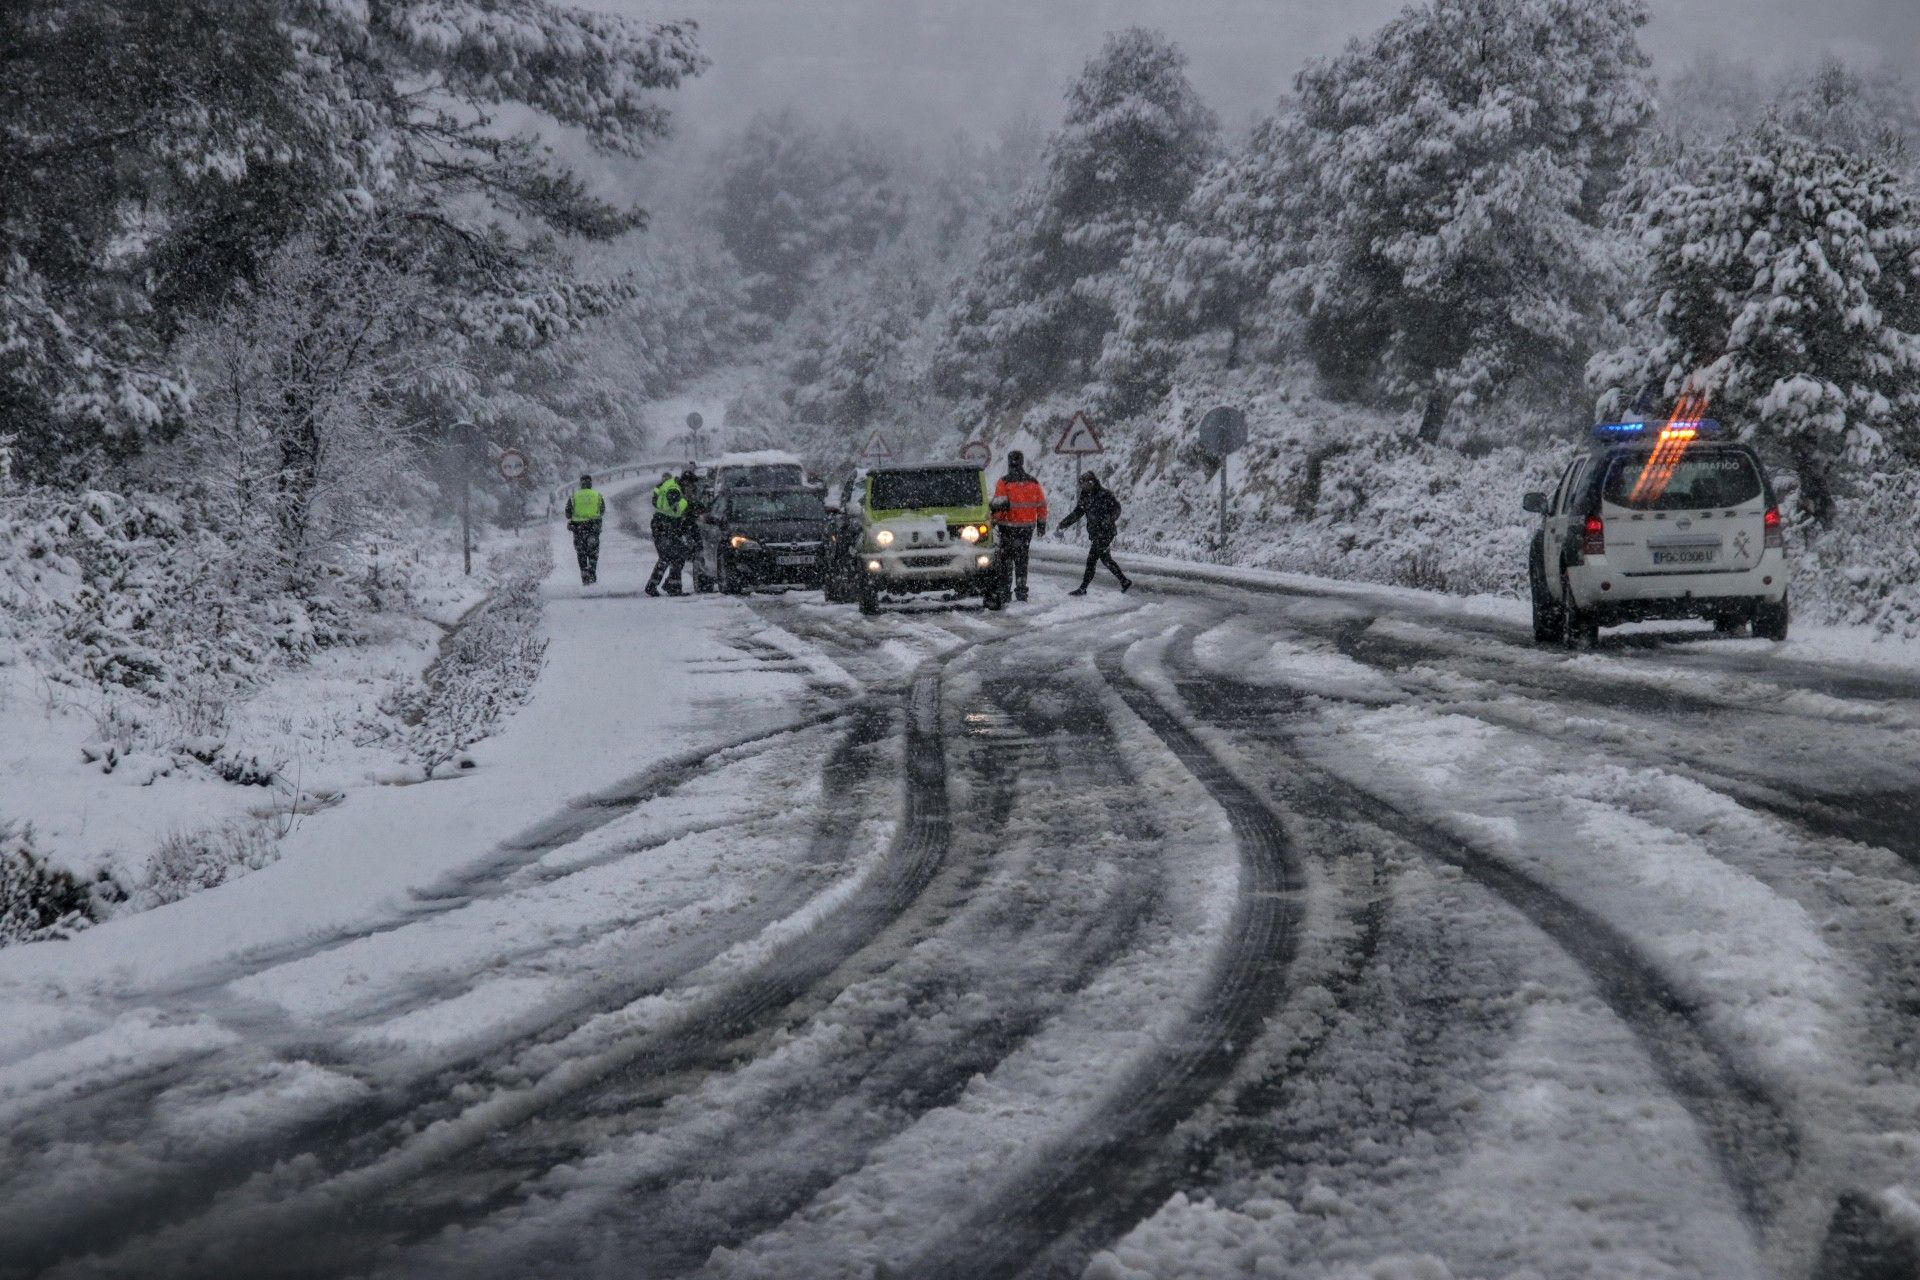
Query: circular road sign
x=695, y=422
x=1223, y=431
x=512, y=465
x=978, y=451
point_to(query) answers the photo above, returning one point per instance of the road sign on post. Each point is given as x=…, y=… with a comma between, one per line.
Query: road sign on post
x=1223, y=433
x=1078, y=439
x=512, y=465
x=694, y=439
x=876, y=450
x=977, y=451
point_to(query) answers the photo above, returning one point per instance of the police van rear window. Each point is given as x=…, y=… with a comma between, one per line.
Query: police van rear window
x=1700, y=478
x=912, y=490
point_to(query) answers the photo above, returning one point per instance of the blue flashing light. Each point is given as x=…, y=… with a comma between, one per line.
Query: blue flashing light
x=1619, y=430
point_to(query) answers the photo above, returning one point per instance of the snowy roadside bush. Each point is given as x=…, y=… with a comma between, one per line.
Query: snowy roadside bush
x=486, y=668
x=38, y=902
x=187, y=862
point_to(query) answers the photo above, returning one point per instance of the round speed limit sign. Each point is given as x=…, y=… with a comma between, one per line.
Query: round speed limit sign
x=512, y=465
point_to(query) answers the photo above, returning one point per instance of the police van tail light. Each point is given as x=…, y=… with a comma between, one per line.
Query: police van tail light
x=1776, y=530
x=1593, y=538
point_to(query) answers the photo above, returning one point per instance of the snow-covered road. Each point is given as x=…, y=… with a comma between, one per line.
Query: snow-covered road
x=1232, y=927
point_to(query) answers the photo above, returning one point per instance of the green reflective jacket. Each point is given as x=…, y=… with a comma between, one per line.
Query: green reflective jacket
x=668, y=500
x=586, y=504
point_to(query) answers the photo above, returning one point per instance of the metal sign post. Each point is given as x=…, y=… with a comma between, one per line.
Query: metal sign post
x=463, y=435
x=1223, y=433
x=694, y=439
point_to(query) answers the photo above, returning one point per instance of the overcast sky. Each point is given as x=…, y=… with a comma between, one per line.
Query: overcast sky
x=931, y=65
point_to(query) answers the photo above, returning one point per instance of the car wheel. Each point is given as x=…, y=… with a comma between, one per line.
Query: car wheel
x=1546, y=610
x=1578, y=629
x=869, y=597
x=1770, y=620
x=727, y=577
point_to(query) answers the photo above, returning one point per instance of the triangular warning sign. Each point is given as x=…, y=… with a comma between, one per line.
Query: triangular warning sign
x=1079, y=438
x=876, y=447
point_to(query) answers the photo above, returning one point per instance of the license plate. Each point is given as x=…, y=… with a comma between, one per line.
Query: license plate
x=794, y=560
x=1684, y=555
x=926, y=562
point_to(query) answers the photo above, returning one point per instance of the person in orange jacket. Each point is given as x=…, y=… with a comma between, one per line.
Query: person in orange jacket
x=1019, y=512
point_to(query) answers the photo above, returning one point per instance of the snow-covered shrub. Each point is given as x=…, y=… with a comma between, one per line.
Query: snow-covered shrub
x=37, y=901
x=1864, y=567
x=487, y=667
x=187, y=862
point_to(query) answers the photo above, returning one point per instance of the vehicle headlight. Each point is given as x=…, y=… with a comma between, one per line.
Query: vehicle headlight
x=969, y=533
x=884, y=538
x=873, y=566
x=739, y=540
x=984, y=562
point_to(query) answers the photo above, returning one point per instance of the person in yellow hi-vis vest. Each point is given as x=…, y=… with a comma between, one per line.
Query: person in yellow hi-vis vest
x=585, y=509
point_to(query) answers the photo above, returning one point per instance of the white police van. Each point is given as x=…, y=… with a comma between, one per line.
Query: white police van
x=1658, y=521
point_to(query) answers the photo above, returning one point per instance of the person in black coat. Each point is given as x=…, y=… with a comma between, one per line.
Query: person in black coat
x=1101, y=510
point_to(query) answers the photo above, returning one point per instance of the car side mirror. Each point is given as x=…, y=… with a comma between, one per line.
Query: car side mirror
x=1535, y=503
x=834, y=507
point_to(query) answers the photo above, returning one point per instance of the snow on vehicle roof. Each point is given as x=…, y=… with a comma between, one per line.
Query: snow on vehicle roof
x=755, y=458
x=927, y=466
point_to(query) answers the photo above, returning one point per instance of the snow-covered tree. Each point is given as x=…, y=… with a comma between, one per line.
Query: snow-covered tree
x=796, y=203
x=1787, y=289
x=301, y=438
x=1210, y=270
x=1450, y=175
x=154, y=152
x=1135, y=138
x=1874, y=112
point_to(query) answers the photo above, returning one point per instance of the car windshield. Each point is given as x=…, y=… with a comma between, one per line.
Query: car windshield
x=778, y=506
x=912, y=490
x=1698, y=479
x=760, y=476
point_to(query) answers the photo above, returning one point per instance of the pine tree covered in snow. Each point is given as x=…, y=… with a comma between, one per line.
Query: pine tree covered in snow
x=155, y=152
x=1135, y=138
x=797, y=203
x=1446, y=180
x=1787, y=287
x=1210, y=270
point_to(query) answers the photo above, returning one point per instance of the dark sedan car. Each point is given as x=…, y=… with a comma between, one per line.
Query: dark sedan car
x=762, y=537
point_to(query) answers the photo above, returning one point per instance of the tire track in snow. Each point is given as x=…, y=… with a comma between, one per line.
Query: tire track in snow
x=332, y=1138
x=780, y=1157
x=1117, y=1167
x=1749, y=1132
x=255, y=1238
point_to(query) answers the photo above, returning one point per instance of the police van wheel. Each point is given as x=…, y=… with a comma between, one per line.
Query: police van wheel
x=1546, y=610
x=727, y=578
x=1770, y=620
x=1578, y=629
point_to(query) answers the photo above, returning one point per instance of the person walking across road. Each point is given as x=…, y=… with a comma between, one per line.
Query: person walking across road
x=1101, y=510
x=1019, y=511
x=669, y=536
x=585, y=509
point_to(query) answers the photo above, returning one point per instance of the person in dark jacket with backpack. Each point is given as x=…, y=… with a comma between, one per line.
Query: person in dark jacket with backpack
x=1101, y=510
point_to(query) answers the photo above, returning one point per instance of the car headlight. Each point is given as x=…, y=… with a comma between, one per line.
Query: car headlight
x=984, y=562
x=739, y=540
x=969, y=533
x=884, y=538
x=873, y=566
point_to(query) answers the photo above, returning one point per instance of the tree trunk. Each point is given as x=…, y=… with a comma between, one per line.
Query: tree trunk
x=1434, y=418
